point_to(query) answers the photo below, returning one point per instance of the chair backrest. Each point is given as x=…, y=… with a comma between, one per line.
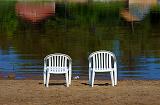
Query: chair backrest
x=102, y=60
x=57, y=60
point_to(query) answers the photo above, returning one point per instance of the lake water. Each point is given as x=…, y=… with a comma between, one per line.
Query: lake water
x=31, y=30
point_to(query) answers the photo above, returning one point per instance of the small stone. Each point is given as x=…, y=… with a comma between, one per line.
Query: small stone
x=11, y=76
x=76, y=77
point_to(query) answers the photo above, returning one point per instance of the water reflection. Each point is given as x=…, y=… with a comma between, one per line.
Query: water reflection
x=136, y=10
x=35, y=11
x=78, y=29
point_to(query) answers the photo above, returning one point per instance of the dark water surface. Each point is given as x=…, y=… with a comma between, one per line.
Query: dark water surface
x=31, y=30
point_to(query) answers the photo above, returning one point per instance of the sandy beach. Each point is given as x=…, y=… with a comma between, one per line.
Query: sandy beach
x=33, y=92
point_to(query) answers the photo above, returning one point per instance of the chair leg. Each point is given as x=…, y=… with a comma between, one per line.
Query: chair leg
x=44, y=77
x=48, y=77
x=115, y=76
x=89, y=81
x=67, y=80
x=112, y=78
x=70, y=75
x=93, y=76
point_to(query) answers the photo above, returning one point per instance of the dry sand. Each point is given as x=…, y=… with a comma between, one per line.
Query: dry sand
x=33, y=92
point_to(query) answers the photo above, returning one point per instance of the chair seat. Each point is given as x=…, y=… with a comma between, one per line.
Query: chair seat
x=102, y=70
x=57, y=70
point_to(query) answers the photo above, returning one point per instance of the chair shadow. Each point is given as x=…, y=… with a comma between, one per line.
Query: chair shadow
x=52, y=84
x=106, y=84
x=56, y=84
x=40, y=83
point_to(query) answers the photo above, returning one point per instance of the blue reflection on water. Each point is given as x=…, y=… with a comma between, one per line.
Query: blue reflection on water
x=147, y=68
x=12, y=63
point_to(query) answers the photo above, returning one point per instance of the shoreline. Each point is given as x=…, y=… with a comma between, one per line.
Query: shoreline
x=13, y=76
x=33, y=92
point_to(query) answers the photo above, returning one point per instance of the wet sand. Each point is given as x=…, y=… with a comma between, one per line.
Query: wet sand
x=33, y=92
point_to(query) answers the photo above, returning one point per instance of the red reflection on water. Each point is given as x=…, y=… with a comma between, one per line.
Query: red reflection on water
x=35, y=12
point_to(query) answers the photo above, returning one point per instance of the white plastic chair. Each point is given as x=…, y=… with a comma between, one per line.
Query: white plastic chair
x=57, y=64
x=102, y=61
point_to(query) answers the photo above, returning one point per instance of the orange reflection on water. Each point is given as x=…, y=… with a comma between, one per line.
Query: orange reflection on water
x=144, y=2
x=128, y=16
